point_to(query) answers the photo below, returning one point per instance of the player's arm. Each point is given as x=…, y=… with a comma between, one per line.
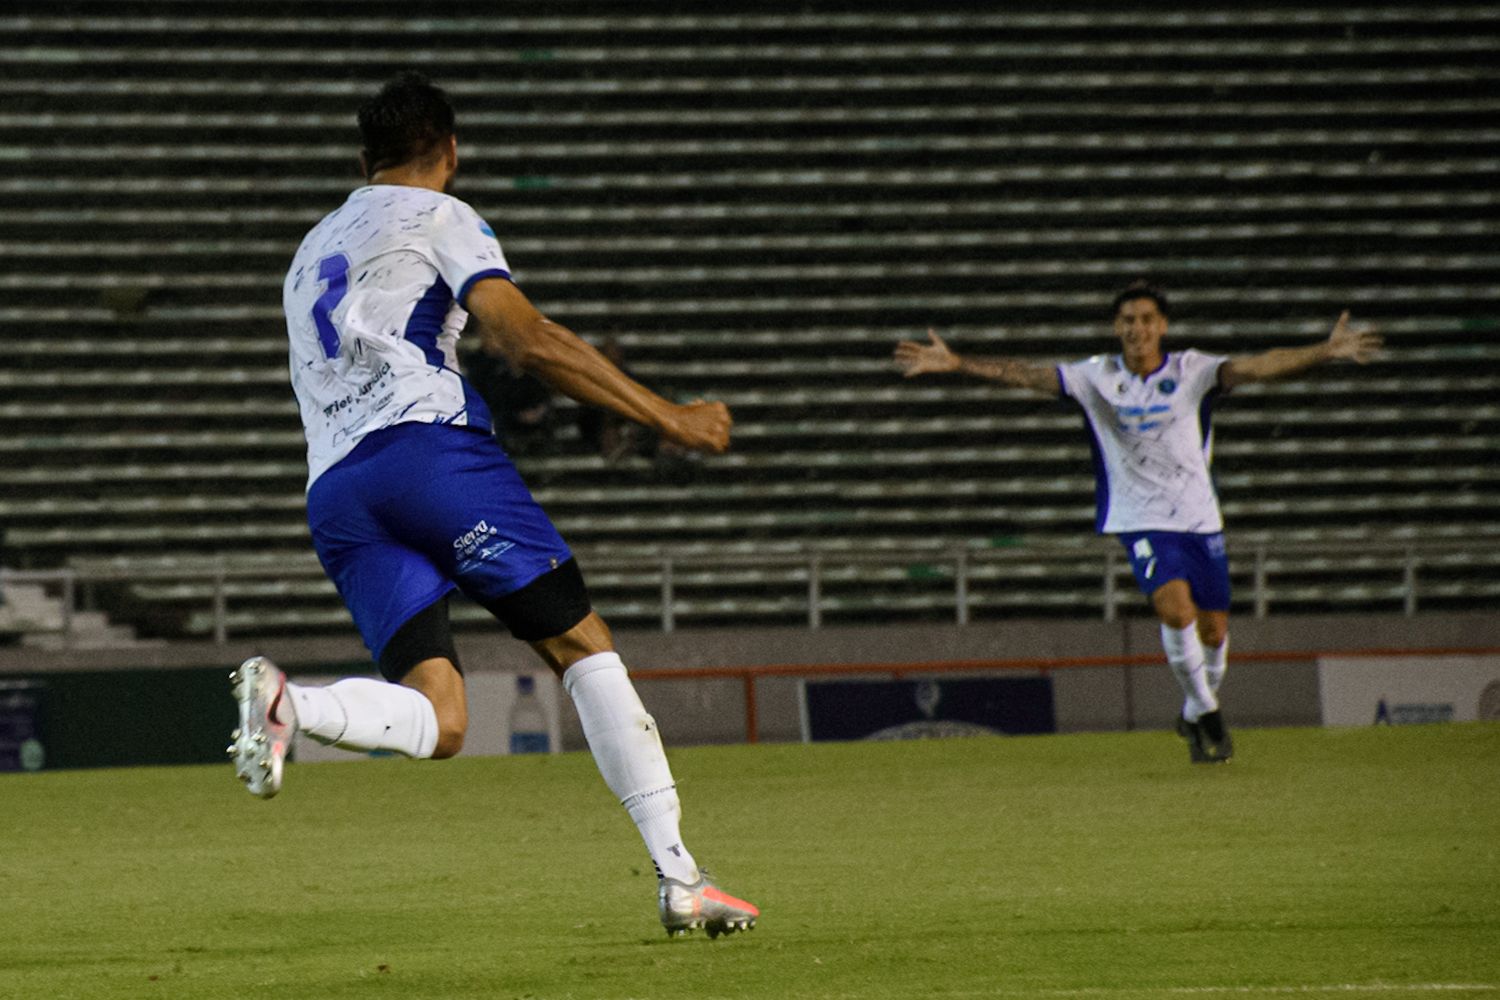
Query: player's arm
x=511, y=327
x=1344, y=342
x=914, y=358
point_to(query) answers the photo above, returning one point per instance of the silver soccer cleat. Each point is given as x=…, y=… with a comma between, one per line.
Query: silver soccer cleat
x=702, y=904
x=260, y=743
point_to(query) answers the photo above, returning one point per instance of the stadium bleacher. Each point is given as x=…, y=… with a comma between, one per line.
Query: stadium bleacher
x=756, y=205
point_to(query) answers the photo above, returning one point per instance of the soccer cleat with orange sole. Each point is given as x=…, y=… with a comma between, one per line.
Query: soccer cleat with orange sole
x=685, y=907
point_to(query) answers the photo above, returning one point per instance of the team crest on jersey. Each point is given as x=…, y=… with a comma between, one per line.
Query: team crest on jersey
x=1167, y=386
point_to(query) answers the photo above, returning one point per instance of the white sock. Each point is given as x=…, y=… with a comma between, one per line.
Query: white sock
x=1185, y=656
x=1215, y=663
x=627, y=748
x=359, y=713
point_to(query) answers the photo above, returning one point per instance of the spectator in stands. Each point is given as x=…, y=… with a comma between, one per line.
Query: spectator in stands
x=410, y=497
x=1148, y=414
x=611, y=435
x=520, y=403
x=618, y=440
x=676, y=465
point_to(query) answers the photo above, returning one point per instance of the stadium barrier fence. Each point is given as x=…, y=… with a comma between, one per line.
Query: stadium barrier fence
x=1398, y=561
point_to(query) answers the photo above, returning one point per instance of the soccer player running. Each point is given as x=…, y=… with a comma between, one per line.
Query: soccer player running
x=1148, y=414
x=410, y=497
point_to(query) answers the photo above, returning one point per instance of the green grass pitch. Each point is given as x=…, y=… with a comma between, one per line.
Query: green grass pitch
x=1352, y=863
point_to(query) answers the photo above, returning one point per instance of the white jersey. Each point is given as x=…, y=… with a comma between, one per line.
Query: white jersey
x=373, y=305
x=1152, y=440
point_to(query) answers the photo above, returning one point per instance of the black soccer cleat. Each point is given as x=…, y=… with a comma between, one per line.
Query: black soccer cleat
x=1192, y=732
x=1216, y=745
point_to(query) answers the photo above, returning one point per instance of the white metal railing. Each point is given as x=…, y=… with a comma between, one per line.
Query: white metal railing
x=666, y=569
x=1113, y=569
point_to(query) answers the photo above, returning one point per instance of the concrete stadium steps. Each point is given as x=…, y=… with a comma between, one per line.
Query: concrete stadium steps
x=85, y=127
x=782, y=504
x=869, y=298
x=611, y=229
x=216, y=524
x=1371, y=173
x=37, y=479
x=982, y=427
x=243, y=515
x=959, y=448
x=93, y=356
x=133, y=249
x=37, y=618
x=757, y=205
x=733, y=291
x=702, y=163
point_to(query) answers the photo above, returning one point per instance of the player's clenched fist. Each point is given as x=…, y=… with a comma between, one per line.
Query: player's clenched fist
x=700, y=425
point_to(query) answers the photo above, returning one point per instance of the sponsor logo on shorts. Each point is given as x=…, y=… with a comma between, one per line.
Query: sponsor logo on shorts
x=479, y=532
x=491, y=551
x=481, y=542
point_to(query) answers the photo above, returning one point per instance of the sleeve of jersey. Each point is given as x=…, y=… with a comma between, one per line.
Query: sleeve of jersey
x=1203, y=371
x=465, y=249
x=1064, y=375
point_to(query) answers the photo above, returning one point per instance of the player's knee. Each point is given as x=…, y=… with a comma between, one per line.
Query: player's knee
x=450, y=741
x=1174, y=605
x=1177, y=617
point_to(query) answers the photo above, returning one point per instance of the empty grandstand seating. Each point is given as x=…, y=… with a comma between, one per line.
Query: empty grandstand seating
x=756, y=203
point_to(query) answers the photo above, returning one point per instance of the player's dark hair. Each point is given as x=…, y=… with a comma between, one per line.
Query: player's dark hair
x=1141, y=289
x=404, y=122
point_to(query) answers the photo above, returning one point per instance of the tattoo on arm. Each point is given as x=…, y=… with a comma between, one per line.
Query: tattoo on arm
x=1021, y=374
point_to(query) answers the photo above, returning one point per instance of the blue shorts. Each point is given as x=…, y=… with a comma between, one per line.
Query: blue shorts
x=419, y=509
x=1158, y=557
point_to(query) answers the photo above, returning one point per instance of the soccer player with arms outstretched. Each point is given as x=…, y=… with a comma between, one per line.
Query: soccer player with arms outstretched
x=410, y=497
x=1148, y=414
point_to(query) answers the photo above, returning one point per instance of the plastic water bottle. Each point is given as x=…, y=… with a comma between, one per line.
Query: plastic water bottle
x=529, y=732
